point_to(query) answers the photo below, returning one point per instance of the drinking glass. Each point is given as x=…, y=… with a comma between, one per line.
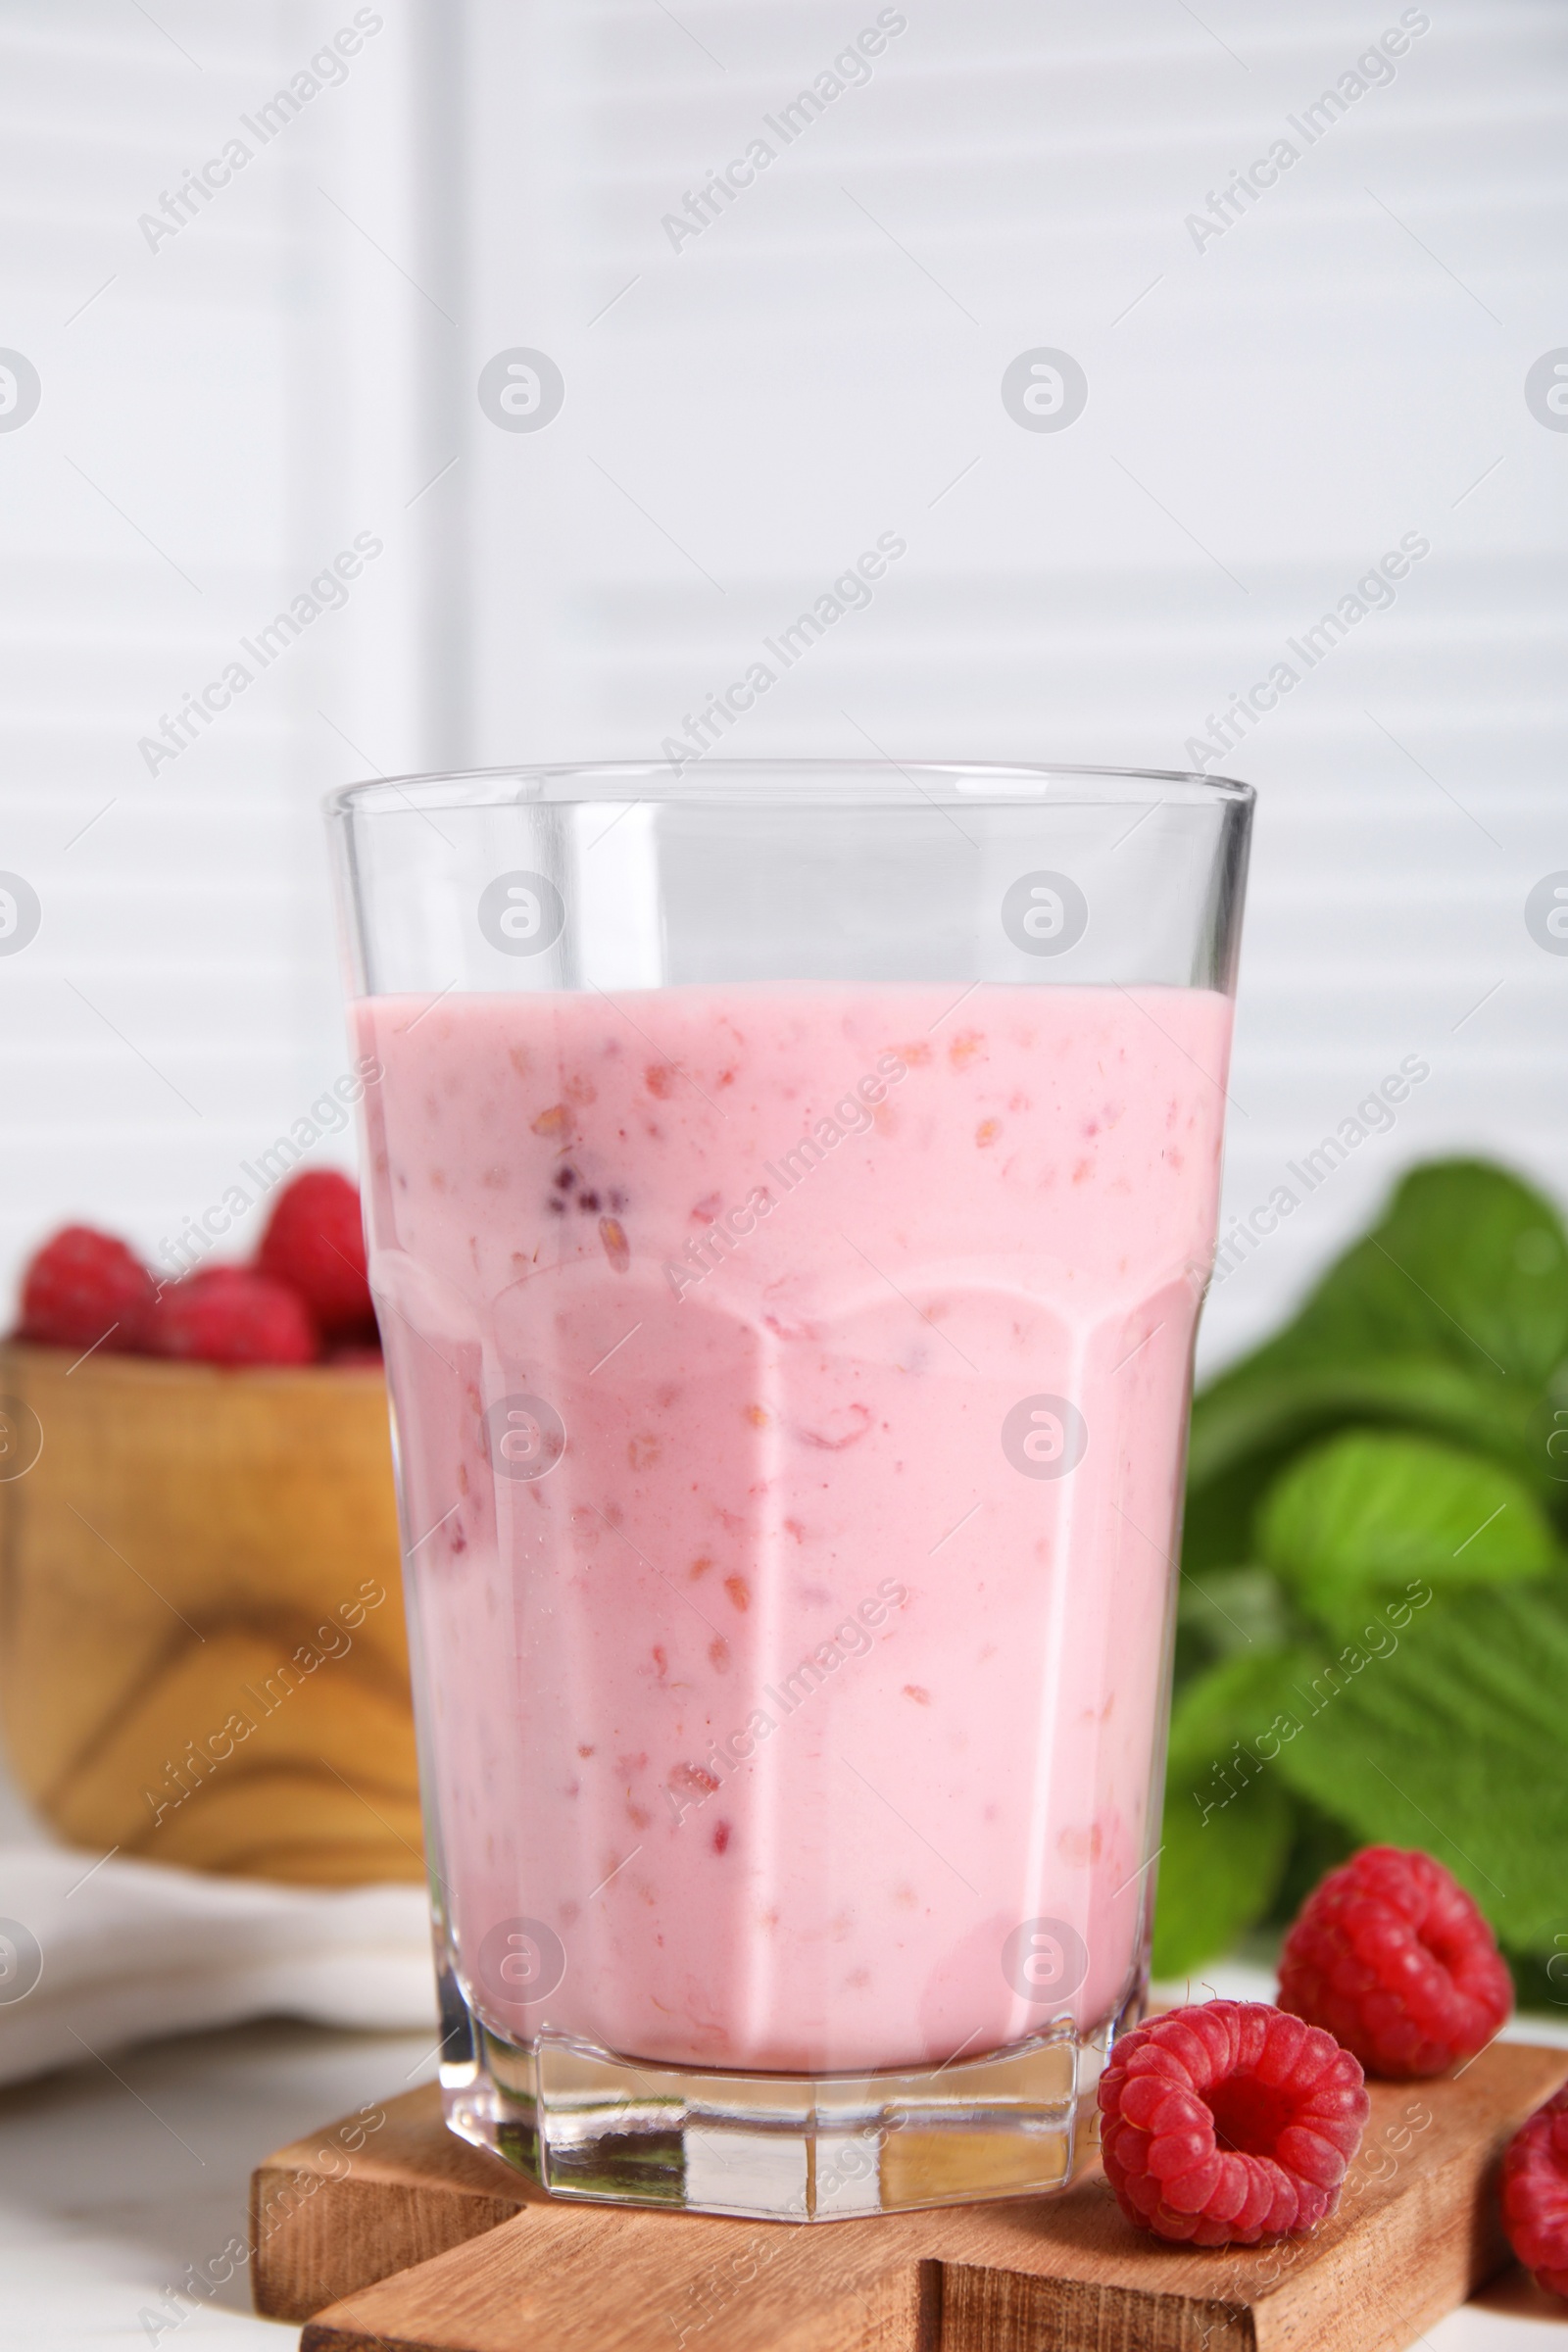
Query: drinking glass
x=791, y=1188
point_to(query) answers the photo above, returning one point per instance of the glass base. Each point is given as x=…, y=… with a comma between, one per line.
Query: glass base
x=582, y=2123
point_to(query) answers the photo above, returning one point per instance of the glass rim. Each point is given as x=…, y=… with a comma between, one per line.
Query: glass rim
x=785, y=782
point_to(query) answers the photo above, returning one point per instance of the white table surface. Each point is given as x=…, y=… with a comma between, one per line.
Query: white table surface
x=111, y=2183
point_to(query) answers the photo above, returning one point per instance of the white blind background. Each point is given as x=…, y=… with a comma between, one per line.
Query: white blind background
x=1266, y=416
x=208, y=438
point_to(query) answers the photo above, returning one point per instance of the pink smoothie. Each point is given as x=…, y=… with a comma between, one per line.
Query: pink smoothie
x=805, y=1654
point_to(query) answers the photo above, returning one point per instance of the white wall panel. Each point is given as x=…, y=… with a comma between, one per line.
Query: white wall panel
x=223, y=409
x=1267, y=413
x=1345, y=364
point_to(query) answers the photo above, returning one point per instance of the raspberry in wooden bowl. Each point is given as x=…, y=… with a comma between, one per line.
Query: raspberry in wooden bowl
x=202, y=1648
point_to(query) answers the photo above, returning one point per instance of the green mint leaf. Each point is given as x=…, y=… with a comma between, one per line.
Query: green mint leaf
x=1319, y=1845
x=1369, y=1511
x=1452, y=1315
x=1474, y=1258
x=1468, y=1267
x=1229, y=1611
x=1227, y=1825
x=1256, y=1412
x=1217, y=1875
x=1222, y=1708
x=1455, y=1740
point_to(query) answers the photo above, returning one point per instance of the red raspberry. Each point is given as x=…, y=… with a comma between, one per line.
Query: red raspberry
x=1535, y=2193
x=1391, y=1955
x=1229, y=2122
x=231, y=1315
x=315, y=1238
x=81, y=1286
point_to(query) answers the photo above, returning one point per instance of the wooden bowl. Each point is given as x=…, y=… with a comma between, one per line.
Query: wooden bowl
x=202, y=1650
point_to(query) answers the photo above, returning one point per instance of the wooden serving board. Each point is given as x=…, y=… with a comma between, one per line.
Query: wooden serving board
x=411, y=2241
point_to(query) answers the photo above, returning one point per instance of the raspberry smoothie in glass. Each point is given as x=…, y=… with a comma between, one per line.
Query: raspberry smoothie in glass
x=790, y=1197
x=795, y=1659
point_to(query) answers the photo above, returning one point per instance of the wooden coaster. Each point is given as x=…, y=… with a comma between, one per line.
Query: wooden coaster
x=412, y=2241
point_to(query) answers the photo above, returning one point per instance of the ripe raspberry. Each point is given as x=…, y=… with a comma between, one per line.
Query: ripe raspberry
x=81, y=1285
x=1390, y=1956
x=231, y=1315
x=315, y=1239
x=1535, y=2193
x=1229, y=2122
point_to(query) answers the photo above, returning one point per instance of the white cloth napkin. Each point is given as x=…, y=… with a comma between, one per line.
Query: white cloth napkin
x=96, y=1957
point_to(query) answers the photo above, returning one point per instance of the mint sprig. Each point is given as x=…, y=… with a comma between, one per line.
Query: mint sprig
x=1373, y=1634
